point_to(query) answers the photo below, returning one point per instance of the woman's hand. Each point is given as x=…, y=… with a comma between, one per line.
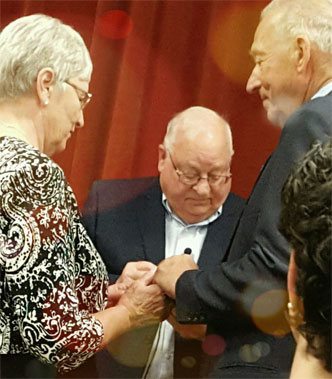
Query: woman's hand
x=132, y=272
x=145, y=301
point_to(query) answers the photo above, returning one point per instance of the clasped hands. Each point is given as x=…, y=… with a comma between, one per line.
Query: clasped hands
x=148, y=292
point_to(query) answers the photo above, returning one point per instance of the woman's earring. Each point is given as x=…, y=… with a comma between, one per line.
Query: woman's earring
x=46, y=102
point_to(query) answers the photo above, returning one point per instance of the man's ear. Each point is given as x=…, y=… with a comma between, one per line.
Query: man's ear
x=44, y=85
x=303, y=53
x=162, y=155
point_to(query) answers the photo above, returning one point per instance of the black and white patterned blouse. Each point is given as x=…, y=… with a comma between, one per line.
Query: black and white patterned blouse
x=51, y=277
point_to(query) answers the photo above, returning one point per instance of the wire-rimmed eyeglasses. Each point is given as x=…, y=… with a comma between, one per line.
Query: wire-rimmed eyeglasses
x=191, y=180
x=83, y=96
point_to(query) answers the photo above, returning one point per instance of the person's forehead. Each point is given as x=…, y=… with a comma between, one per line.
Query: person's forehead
x=204, y=143
x=257, y=45
x=265, y=34
x=197, y=157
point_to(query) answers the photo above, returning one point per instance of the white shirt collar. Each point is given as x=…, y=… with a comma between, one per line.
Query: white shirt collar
x=207, y=221
x=323, y=91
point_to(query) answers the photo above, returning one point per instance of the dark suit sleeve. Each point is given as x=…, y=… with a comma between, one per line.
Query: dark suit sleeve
x=258, y=257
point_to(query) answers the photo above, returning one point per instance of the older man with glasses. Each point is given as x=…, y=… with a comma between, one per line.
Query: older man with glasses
x=189, y=209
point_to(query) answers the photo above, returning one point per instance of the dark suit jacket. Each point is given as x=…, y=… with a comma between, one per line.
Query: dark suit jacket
x=257, y=260
x=126, y=221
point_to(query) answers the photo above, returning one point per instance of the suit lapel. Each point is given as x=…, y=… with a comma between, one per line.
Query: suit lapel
x=218, y=238
x=213, y=251
x=151, y=218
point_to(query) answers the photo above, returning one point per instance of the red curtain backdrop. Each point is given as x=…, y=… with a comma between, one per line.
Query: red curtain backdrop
x=153, y=59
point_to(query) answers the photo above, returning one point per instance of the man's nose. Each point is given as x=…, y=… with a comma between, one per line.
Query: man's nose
x=202, y=187
x=254, y=82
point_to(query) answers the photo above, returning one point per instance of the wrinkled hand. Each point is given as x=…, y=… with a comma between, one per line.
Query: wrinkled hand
x=134, y=271
x=131, y=272
x=169, y=270
x=114, y=292
x=196, y=331
x=145, y=301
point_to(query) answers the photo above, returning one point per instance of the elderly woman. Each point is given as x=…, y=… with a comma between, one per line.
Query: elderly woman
x=53, y=283
x=306, y=222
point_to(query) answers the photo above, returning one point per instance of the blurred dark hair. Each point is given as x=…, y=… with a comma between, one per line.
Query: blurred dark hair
x=305, y=222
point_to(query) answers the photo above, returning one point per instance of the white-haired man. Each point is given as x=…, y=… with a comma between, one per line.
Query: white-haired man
x=292, y=50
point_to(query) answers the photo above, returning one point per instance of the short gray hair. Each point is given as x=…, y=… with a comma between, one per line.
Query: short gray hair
x=189, y=118
x=312, y=18
x=34, y=42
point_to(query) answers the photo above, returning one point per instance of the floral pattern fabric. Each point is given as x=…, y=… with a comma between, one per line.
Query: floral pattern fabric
x=51, y=277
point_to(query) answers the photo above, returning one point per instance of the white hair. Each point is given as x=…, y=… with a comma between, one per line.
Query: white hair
x=312, y=18
x=190, y=120
x=34, y=42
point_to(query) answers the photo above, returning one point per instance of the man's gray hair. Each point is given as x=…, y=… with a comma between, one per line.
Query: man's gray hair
x=34, y=42
x=312, y=18
x=189, y=120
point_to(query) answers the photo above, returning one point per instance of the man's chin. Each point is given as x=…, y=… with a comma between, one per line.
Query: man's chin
x=275, y=118
x=199, y=214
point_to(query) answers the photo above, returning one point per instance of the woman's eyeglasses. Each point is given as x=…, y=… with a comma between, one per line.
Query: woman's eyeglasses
x=83, y=96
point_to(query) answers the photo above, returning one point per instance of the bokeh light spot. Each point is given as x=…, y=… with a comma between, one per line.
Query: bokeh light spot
x=231, y=37
x=132, y=349
x=268, y=312
x=263, y=347
x=249, y=353
x=115, y=24
x=188, y=361
x=213, y=344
